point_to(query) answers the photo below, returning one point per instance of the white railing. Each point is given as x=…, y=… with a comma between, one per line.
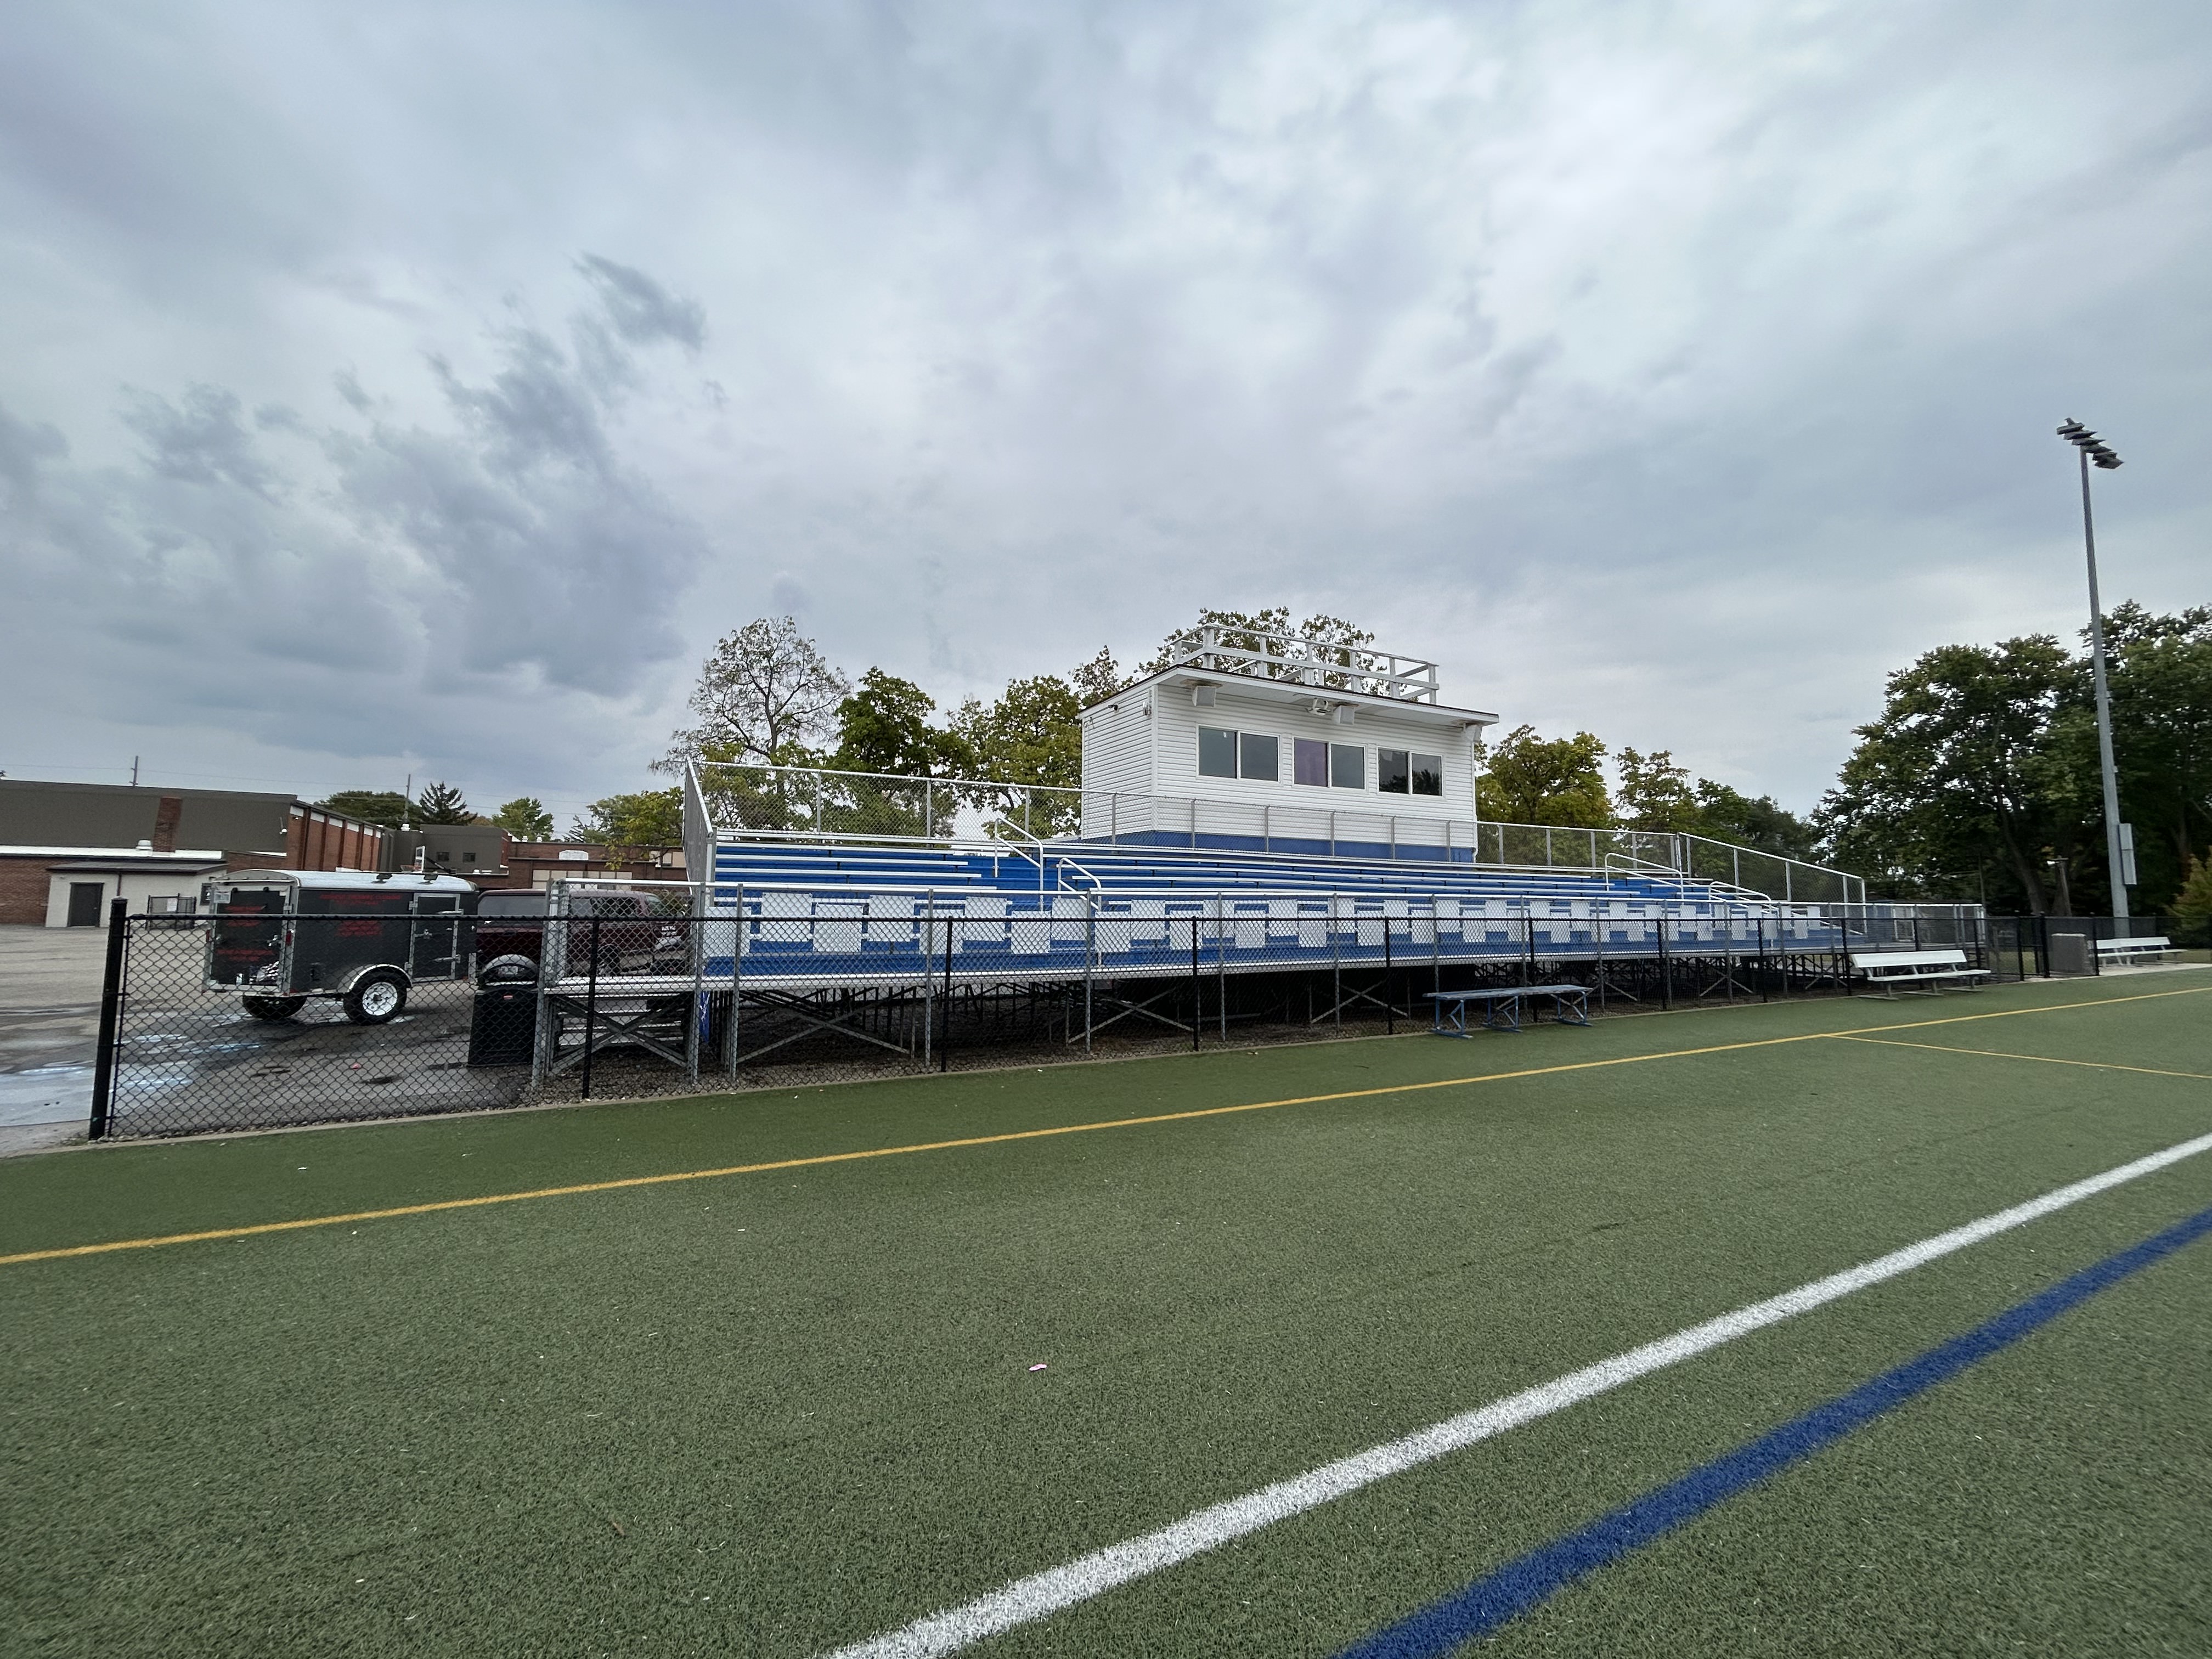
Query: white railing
x=1292, y=658
x=770, y=803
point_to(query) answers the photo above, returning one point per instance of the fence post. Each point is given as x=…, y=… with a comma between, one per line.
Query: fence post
x=1197, y=1005
x=945, y=1037
x=591, y=1007
x=1335, y=947
x=1666, y=970
x=1089, y=960
x=111, y=1021
x=1389, y=1003
x=1220, y=966
x=737, y=987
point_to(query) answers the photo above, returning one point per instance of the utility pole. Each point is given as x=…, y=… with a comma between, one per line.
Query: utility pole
x=2119, y=851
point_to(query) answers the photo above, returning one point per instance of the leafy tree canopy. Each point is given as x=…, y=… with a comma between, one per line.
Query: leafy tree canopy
x=386, y=806
x=525, y=818
x=767, y=694
x=1531, y=779
x=885, y=726
x=651, y=817
x=1655, y=793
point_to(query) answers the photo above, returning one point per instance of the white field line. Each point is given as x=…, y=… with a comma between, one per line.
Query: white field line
x=1028, y=1599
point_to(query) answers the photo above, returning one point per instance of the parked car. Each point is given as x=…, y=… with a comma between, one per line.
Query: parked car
x=633, y=935
x=281, y=937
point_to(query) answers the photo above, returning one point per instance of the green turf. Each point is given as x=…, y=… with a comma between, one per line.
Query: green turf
x=769, y=1413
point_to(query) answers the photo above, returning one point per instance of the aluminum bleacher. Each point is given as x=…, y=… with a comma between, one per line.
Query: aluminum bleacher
x=854, y=913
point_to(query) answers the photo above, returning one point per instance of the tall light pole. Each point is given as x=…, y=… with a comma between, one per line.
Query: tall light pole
x=2118, y=856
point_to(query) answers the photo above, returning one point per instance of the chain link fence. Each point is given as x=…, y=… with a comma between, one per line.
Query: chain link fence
x=216, y=1022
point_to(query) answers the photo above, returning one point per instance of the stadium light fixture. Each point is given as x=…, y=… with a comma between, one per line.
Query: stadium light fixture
x=2119, y=837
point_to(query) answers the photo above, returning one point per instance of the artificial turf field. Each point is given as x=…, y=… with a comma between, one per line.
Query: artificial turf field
x=783, y=1411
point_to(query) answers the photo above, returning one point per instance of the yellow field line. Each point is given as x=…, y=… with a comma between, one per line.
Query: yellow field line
x=821, y=1158
x=2047, y=1060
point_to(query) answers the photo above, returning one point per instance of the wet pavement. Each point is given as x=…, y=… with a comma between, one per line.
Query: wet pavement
x=49, y=1019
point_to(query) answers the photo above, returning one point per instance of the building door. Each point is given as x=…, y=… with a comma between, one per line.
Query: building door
x=84, y=902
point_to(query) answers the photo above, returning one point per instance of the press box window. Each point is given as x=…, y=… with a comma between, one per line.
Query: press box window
x=1310, y=756
x=1399, y=773
x=1217, y=752
x=1225, y=754
x=1347, y=765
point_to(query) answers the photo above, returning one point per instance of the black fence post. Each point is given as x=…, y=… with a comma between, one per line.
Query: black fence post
x=591, y=1009
x=1666, y=968
x=111, y=1021
x=1197, y=1007
x=1389, y=997
x=944, y=1031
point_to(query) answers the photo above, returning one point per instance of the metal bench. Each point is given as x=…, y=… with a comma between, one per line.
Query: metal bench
x=1909, y=968
x=2133, y=949
x=1502, y=1007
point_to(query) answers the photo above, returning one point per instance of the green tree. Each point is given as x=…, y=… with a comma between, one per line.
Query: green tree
x=885, y=726
x=1099, y=679
x=651, y=817
x=441, y=802
x=525, y=818
x=1726, y=814
x=2160, y=673
x=2192, y=905
x=1032, y=734
x=767, y=694
x=1656, y=794
x=1953, y=780
x=386, y=806
x=1531, y=779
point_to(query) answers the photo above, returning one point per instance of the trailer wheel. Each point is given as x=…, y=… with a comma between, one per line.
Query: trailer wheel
x=274, y=1007
x=376, y=998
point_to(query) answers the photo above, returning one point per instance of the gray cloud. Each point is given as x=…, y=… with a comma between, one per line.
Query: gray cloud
x=1672, y=370
x=374, y=573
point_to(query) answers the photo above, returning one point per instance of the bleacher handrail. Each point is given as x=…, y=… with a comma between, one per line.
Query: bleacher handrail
x=823, y=803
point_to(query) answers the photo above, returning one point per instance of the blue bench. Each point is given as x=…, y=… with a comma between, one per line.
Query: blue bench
x=1502, y=1007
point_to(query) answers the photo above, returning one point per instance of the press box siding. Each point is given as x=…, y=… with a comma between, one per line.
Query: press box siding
x=1117, y=747
x=1153, y=762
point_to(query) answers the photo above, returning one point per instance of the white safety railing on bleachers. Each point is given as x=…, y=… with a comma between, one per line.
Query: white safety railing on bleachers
x=811, y=804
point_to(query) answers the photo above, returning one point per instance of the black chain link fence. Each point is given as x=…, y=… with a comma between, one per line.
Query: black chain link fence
x=219, y=1022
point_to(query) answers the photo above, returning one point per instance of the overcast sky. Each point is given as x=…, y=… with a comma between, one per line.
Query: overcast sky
x=395, y=388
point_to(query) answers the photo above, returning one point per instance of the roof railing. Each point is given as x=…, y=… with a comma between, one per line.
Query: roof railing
x=1294, y=659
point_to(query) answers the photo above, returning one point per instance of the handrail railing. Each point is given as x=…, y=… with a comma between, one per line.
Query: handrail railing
x=1292, y=658
x=770, y=803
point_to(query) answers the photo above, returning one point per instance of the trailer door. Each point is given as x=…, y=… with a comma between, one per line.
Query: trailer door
x=437, y=948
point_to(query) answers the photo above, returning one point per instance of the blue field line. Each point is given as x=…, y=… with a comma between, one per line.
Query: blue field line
x=1521, y=1585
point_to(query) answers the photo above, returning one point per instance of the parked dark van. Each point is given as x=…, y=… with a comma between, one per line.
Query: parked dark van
x=634, y=936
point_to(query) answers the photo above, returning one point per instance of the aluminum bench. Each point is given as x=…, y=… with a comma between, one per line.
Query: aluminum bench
x=2133, y=949
x=1502, y=1007
x=1912, y=967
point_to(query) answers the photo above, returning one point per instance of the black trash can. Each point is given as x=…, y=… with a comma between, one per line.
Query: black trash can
x=503, y=1026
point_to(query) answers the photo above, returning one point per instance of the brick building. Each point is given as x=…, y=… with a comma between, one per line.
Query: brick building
x=138, y=833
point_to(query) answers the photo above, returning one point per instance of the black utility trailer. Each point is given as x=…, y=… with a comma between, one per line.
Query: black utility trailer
x=279, y=937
